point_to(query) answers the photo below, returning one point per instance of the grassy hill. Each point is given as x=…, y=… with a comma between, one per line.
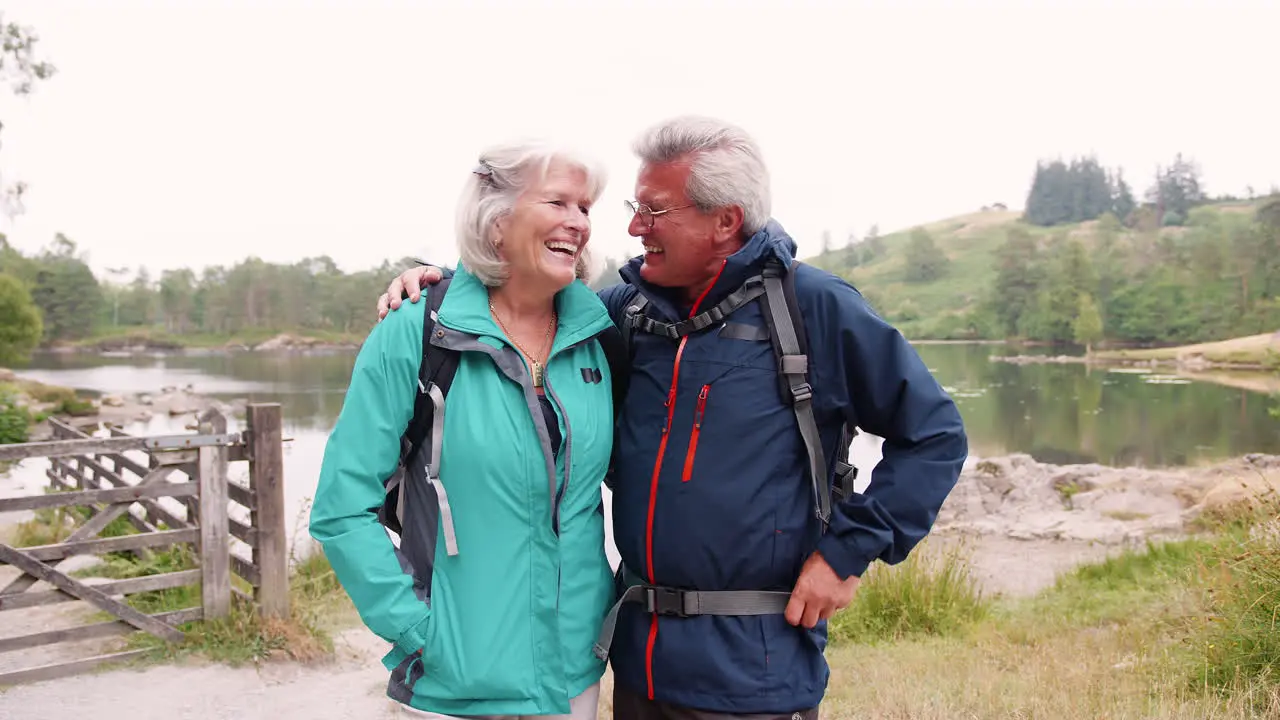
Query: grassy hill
x=959, y=304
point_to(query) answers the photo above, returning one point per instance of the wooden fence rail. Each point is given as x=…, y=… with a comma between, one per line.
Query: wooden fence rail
x=174, y=490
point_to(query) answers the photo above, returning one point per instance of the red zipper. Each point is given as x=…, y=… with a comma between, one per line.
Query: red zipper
x=653, y=483
x=697, y=429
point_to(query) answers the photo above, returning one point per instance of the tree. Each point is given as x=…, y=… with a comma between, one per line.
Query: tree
x=1087, y=327
x=1122, y=202
x=872, y=245
x=826, y=241
x=925, y=261
x=1062, y=193
x=1019, y=274
x=66, y=292
x=20, y=68
x=1176, y=190
x=20, y=324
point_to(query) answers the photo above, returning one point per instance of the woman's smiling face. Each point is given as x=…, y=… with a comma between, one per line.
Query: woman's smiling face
x=543, y=237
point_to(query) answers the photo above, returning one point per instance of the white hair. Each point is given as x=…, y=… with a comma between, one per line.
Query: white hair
x=727, y=165
x=503, y=173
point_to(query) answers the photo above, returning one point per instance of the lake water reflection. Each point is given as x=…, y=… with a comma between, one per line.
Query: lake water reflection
x=1063, y=413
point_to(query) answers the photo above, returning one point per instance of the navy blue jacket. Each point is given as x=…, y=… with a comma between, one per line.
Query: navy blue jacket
x=730, y=507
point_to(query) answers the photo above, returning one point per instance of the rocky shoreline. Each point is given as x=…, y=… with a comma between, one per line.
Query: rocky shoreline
x=115, y=409
x=1187, y=363
x=130, y=346
x=1015, y=496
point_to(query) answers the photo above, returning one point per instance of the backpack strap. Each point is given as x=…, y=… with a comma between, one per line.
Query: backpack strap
x=793, y=370
x=845, y=472
x=748, y=291
x=426, y=428
x=615, y=347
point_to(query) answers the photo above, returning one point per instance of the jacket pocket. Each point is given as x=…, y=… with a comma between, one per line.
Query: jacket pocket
x=699, y=414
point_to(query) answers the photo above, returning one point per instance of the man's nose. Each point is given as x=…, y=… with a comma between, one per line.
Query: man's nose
x=637, y=227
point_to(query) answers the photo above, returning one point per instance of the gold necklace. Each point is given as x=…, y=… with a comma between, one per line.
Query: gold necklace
x=536, y=365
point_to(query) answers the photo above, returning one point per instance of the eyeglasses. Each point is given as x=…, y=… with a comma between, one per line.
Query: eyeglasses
x=647, y=214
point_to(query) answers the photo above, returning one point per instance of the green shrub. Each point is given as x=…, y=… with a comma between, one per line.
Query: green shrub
x=922, y=595
x=15, y=420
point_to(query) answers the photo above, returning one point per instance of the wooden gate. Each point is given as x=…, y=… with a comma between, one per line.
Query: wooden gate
x=174, y=491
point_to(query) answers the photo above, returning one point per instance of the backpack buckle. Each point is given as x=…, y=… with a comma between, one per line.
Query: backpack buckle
x=665, y=601
x=801, y=392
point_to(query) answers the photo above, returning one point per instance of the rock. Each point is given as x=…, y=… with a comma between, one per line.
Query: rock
x=1236, y=491
x=1073, y=481
x=7, y=375
x=1017, y=497
x=111, y=401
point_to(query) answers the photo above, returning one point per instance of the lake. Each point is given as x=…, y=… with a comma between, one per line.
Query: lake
x=1060, y=413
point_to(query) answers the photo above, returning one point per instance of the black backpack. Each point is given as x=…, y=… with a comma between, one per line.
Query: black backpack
x=436, y=372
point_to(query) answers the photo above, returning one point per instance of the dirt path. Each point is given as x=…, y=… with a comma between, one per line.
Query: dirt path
x=351, y=685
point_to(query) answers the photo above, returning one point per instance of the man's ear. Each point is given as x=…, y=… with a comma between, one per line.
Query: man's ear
x=728, y=224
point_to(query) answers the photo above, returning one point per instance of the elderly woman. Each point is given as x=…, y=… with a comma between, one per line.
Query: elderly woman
x=496, y=593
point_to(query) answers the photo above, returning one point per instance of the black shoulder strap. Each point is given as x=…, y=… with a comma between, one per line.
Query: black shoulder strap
x=617, y=345
x=438, y=366
x=615, y=351
x=435, y=375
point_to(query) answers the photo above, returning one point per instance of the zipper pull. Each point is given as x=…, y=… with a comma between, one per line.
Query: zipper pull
x=671, y=400
x=702, y=406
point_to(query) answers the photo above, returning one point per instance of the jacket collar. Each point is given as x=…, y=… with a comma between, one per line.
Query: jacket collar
x=580, y=314
x=772, y=241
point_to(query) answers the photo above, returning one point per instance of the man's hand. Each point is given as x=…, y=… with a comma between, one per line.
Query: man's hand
x=819, y=593
x=411, y=281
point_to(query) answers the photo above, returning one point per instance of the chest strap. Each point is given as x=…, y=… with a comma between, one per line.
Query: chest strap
x=748, y=291
x=686, y=603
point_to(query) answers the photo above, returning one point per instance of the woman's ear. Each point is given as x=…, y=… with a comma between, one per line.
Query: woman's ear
x=496, y=232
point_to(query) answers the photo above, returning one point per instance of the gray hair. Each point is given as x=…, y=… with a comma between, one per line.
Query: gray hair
x=490, y=192
x=727, y=165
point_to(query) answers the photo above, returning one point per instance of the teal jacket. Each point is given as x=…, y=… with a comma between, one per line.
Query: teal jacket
x=506, y=625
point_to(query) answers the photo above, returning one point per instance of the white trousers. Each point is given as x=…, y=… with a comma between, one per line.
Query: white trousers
x=582, y=707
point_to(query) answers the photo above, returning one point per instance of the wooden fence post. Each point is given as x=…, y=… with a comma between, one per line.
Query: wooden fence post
x=266, y=477
x=215, y=532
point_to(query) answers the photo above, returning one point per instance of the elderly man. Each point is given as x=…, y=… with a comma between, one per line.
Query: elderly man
x=745, y=368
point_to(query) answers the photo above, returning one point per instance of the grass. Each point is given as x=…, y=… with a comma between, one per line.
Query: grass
x=50, y=526
x=1185, y=629
x=935, y=309
x=923, y=595
x=316, y=605
x=244, y=636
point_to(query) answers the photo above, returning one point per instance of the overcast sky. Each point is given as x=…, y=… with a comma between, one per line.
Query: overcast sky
x=194, y=132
